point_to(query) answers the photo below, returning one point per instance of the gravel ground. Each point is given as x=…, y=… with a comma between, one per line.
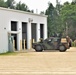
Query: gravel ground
x=39, y=63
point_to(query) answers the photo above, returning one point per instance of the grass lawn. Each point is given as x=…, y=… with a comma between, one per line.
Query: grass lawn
x=17, y=53
x=8, y=53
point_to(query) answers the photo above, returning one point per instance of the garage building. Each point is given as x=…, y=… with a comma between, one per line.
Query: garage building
x=20, y=25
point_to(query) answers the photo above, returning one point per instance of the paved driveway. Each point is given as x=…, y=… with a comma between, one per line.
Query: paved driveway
x=39, y=63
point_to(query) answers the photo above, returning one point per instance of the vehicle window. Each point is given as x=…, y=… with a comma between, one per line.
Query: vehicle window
x=55, y=39
x=49, y=39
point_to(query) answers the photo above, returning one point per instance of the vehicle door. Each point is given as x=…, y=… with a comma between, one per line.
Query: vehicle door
x=49, y=44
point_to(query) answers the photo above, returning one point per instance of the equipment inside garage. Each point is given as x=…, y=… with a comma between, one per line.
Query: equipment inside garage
x=24, y=34
x=34, y=31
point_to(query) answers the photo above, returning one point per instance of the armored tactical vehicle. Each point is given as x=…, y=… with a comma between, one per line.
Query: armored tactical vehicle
x=51, y=43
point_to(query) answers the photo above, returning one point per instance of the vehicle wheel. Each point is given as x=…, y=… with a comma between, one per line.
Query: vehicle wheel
x=62, y=48
x=38, y=48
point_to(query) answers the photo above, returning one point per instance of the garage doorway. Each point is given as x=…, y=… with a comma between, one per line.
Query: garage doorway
x=14, y=28
x=34, y=31
x=24, y=34
x=42, y=31
x=15, y=39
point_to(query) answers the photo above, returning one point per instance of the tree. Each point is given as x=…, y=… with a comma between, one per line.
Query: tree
x=68, y=16
x=22, y=6
x=73, y=2
x=2, y=3
x=10, y=4
x=66, y=3
x=49, y=12
x=58, y=6
x=42, y=12
x=53, y=20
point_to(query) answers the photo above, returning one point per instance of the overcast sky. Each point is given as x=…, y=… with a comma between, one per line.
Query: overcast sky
x=40, y=5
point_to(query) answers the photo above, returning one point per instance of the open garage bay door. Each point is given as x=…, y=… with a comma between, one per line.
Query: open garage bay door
x=34, y=31
x=42, y=31
x=24, y=34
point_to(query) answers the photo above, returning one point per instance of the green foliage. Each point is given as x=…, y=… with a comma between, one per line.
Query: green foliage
x=73, y=44
x=53, y=21
x=21, y=6
x=73, y=2
x=62, y=19
x=2, y=3
x=8, y=53
x=12, y=5
x=68, y=16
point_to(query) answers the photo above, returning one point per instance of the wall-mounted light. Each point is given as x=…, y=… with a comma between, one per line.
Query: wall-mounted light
x=5, y=28
x=30, y=20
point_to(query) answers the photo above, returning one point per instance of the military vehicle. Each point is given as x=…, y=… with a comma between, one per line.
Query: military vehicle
x=51, y=43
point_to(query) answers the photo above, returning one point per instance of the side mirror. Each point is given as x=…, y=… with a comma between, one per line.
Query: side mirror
x=49, y=39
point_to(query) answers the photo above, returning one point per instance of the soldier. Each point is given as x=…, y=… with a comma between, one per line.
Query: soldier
x=69, y=41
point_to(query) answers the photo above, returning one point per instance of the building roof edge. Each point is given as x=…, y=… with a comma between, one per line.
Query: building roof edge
x=24, y=12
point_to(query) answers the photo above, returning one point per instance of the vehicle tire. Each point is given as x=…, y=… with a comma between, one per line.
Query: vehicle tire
x=38, y=48
x=62, y=48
